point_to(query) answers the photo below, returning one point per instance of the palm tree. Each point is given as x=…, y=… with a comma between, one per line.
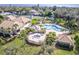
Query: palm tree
x=43, y=49
x=49, y=50
x=15, y=26
x=50, y=38
x=23, y=34
x=54, y=8
x=46, y=48
x=9, y=30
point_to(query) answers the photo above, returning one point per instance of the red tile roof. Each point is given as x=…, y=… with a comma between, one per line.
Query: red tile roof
x=65, y=38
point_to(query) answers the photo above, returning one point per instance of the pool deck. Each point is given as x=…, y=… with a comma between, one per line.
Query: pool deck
x=34, y=40
x=42, y=38
x=57, y=32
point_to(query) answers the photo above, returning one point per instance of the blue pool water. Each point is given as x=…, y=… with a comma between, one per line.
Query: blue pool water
x=53, y=27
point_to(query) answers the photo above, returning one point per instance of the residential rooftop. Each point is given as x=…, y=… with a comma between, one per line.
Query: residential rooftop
x=65, y=38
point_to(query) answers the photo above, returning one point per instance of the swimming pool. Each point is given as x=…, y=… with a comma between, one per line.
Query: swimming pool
x=53, y=27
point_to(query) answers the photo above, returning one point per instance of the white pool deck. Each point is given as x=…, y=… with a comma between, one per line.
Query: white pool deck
x=57, y=33
x=36, y=40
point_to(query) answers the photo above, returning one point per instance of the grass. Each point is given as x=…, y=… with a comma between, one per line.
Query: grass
x=24, y=49
x=63, y=52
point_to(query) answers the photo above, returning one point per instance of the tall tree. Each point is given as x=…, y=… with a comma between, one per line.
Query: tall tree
x=48, y=14
x=54, y=8
x=50, y=38
x=76, y=38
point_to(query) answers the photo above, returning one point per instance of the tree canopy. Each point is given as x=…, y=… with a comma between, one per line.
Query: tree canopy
x=50, y=38
x=76, y=38
x=48, y=14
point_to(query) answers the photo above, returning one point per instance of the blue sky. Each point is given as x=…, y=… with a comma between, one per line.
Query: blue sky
x=59, y=5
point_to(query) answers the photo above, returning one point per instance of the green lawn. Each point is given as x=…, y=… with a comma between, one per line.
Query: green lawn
x=63, y=52
x=26, y=49
x=21, y=48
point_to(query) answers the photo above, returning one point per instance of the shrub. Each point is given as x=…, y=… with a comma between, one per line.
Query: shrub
x=35, y=21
